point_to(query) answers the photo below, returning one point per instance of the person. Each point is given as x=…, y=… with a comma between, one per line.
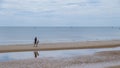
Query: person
x=35, y=41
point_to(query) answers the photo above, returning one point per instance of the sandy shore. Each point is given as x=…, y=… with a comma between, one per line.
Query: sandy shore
x=59, y=46
x=105, y=59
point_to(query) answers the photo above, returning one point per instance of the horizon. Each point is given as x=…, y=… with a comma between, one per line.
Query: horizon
x=55, y=26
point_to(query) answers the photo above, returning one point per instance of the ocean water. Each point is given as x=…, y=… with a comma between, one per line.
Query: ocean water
x=25, y=35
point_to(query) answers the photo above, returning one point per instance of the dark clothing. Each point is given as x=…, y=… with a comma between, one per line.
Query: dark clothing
x=35, y=40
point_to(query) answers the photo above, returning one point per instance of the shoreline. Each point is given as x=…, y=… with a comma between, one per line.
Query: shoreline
x=59, y=46
x=104, y=59
x=58, y=42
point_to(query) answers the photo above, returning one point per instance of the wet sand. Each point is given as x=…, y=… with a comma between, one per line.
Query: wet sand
x=104, y=59
x=59, y=46
x=115, y=66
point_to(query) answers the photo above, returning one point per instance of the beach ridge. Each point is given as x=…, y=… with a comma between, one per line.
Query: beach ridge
x=60, y=46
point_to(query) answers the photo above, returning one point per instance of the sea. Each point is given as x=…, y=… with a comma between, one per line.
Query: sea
x=25, y=35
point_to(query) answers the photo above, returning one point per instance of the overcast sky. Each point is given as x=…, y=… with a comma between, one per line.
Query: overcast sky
x=59, y=12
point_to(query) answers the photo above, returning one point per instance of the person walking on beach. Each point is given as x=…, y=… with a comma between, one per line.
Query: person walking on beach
x=36, y=42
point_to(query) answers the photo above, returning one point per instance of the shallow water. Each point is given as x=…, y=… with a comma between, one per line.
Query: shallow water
x=54, y=54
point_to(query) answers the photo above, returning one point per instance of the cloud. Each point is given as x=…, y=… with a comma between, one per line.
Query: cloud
x=73, y=6
x=85, y=3
x=62, y=11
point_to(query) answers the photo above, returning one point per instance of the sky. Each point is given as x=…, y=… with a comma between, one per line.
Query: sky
x=59, y=12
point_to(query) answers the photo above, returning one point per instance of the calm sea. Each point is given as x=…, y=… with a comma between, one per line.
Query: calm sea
x=22, y=35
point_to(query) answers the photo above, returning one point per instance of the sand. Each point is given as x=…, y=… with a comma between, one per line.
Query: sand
x=115, y=66
x=59, y=46
x=104, y=59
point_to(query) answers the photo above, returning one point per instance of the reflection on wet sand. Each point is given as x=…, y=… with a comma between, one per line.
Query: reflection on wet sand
x=36, y=54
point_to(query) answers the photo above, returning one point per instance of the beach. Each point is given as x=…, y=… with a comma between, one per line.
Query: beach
x=59, y=33
x=60, y=46
x=106, y=59
x=102, y=59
